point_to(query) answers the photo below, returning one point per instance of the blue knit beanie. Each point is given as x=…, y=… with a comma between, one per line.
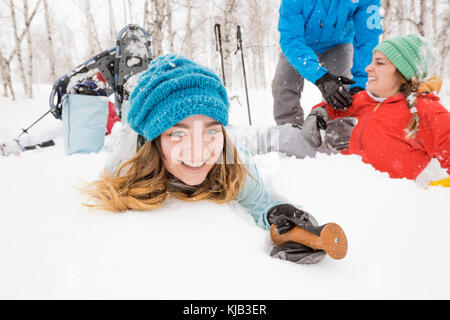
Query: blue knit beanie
x=172, y=89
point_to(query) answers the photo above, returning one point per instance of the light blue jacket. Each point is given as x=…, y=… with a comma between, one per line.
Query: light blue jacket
x=308, y=27
x=255, y=197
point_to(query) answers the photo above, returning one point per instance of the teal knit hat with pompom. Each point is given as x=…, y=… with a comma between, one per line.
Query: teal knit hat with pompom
x=410, y=54
x=172, y=89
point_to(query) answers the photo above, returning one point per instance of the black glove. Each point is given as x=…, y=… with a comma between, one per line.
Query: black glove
x=296, y=252
x=355, y=90
x=315, y=121
x=339, y=131
x=333, y=92
x=285, y=217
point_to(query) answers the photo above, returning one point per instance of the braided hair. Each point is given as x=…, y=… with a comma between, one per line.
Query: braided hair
x=409, y=89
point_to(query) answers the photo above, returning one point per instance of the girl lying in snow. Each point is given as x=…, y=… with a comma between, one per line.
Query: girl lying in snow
x=179, y=110
x=401, y=124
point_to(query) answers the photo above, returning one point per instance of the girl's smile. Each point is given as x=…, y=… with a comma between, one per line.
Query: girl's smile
x=383, y=79
x=192, y=147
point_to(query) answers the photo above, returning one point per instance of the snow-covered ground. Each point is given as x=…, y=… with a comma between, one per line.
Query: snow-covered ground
x=53, y=247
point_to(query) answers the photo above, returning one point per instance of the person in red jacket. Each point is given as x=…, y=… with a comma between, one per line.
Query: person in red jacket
x=397, y=124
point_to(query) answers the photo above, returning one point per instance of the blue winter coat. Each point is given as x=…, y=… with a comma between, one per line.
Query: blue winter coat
x=254, y=196
x=308, y=27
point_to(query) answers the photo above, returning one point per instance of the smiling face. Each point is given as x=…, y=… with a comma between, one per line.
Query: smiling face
x=384, y=80
x=192, y=147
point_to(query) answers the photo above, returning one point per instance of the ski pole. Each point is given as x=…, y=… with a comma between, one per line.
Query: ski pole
x=330, y=238
x=26, y=130
x=219, y=48
x=239, y=47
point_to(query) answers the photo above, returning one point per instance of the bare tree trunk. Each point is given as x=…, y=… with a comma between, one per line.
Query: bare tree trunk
x=124, y=10
x=18, y=46
x=146, y=14
x=155, y=23
x=51, y=50
x=434, y=18
x=6, y=76
x=63, y=34
x=94, y=43
x=422, y=13
x=387, y=6
x=412, y=15
x=170, y=31
x=130, y=12
x=256, y=32
x=29, y=93
x=229, y=45
x=112, y=23
x=400, y=17
x=443, y=39
x=188, y=39
x=3, y=72
x=262, y=66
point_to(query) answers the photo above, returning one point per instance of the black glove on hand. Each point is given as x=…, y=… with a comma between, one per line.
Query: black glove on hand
x=315, y=121
x=333, y=92
x=339, y=131
x=355, y=90
x=296, y=252
x=285, y=217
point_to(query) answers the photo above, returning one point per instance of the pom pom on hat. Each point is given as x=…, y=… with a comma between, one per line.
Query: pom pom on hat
x=172, y=89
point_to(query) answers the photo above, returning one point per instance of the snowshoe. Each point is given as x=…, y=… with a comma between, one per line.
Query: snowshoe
x=131, y=55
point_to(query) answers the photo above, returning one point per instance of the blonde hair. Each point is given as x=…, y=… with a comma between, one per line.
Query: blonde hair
x=141, y=182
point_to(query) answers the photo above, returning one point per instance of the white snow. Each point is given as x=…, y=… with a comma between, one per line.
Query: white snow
x=53, y=247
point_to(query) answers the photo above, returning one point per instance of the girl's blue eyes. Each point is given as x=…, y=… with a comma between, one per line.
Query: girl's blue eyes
x=180, y=133
x=212, y=131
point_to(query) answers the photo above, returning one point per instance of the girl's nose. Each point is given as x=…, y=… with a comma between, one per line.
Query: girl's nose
x=369, y=68
x=193, y=148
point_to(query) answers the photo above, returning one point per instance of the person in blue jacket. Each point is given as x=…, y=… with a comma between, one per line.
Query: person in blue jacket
x=176, y=145
x=323, y=41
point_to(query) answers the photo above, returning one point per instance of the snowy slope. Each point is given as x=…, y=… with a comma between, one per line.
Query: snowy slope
x=53, y=247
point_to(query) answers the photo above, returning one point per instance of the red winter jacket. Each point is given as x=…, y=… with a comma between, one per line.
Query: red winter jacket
x=380, y=139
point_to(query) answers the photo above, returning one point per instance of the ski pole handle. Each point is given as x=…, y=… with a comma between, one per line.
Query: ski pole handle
x=332, y=239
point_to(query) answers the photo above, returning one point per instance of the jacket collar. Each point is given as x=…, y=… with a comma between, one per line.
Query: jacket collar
x=393, y=99
x=399, y=97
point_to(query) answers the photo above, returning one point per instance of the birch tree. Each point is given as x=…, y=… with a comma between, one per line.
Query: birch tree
x=170, y=31
x=29, y=92
x=443, y=39
x=388, y=18
x=257, y=32
x=188, y=38
x=18, y=46
x=124, y=11
x=112, y=23
x=5, y=63
x=227, y=16
x=434, y=18
x=51, y=50
x=6, y=76
x=154, y=16
x=93, y=40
